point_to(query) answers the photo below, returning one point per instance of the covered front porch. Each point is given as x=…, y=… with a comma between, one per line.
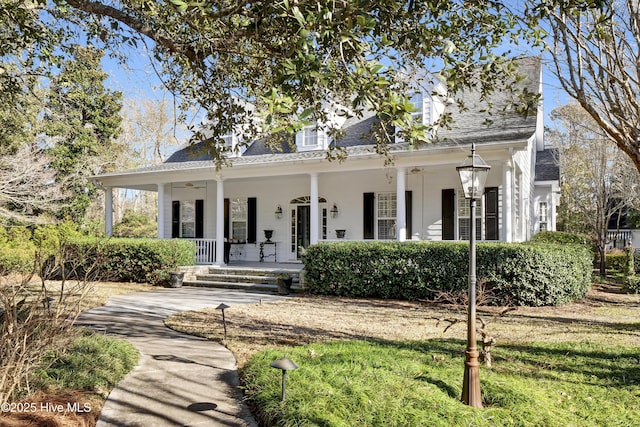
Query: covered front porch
x=270, y=208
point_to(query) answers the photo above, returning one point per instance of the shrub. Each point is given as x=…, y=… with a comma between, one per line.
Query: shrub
x=16, y=259
x=522, y=274
x=561, y=237
x=17, y=251
x=636, y=261
x=132, y=260
x=629, y=269
x=617, y=260
x=564, y=238
x=135, y=224
x=632, y=284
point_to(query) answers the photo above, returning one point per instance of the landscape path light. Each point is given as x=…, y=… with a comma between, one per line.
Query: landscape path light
x=284, y=365
x=473, y=175
x=222, y=307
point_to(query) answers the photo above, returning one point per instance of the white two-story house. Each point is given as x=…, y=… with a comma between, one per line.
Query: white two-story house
x=302, y=198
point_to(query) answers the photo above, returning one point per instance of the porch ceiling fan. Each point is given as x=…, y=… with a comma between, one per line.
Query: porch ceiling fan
x=190, y=186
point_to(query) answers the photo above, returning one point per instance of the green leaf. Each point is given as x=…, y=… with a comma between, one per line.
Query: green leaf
x=298, y=15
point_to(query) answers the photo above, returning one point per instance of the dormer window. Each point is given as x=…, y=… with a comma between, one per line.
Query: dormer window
x=428, y=103
x=418, y=104
x=309, y=136
x=231, y=141
x=312, y=138
x=228, y=140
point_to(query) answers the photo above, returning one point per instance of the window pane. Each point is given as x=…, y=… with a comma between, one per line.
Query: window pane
x=239, y=230
x=387, y=205
x=309, y=136
x=239, y=209
x=416, y=100
x=464, y=230
x=386, y=229
x=386, y=210
x=464, y=220
x=228, y=140
x=188, y=219
x=542, y=212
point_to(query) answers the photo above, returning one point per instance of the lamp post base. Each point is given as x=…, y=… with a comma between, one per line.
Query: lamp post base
x=471, y=385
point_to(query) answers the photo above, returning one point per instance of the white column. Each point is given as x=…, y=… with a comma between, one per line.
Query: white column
x=313, y=193
x=219, y=222
x=553, y=203
x=401, y=205
x=108, y=211
x=507, y=198
x=161, y=211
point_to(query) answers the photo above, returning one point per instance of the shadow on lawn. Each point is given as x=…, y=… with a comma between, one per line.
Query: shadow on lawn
x=572, y=362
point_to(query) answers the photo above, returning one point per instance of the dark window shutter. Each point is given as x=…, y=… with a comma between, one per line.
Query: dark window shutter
x=227, y=217
x=448, y=217
x=368, y=220
x=175, y=219
x=408, y=213
x=199, y=219
x=491, y=213
x=252, y=220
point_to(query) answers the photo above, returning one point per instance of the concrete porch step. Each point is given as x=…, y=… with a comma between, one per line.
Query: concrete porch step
x=263, y=287
x=255, y=278
x=238, y=278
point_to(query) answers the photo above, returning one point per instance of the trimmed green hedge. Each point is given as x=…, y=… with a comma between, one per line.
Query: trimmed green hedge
x=130, y=260
x=521, y=274
x=616, y=261
x=632, y=284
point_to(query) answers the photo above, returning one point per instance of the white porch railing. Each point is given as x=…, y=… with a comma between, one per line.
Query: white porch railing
x=619, y=238
x=205, y=251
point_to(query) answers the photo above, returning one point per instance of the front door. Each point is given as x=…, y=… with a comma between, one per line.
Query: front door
x=302, y=227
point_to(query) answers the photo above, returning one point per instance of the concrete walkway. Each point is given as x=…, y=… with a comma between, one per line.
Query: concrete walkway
x=180, y=380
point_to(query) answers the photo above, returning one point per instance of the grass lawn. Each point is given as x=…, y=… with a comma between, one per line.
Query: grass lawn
x=419, y=383
x=391, y=363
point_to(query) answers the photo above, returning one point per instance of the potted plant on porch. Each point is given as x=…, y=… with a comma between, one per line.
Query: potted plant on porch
x=284, y=282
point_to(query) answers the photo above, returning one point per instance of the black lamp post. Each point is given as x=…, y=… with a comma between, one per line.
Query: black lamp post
x=473, y=174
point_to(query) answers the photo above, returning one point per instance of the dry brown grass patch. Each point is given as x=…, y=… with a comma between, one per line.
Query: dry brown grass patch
x=605, y=315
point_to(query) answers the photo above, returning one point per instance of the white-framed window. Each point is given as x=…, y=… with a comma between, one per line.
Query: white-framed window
x=309, y=136
x=188, y=219
x=418, y=103
x=386, y=215
x=464, y=217
x=238, y=212
x=228, y=140
x=231, y=141
x=542, y=216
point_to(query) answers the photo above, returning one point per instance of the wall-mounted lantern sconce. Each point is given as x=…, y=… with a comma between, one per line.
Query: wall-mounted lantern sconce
x=284, y=365
x=222, y=307
x=279, y=212
x=334, y=211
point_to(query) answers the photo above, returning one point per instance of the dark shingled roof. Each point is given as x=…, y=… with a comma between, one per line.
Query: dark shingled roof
x=466, y=125
x=547, y=168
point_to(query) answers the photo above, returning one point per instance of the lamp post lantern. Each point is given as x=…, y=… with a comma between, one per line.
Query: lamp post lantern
x=473, y=174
